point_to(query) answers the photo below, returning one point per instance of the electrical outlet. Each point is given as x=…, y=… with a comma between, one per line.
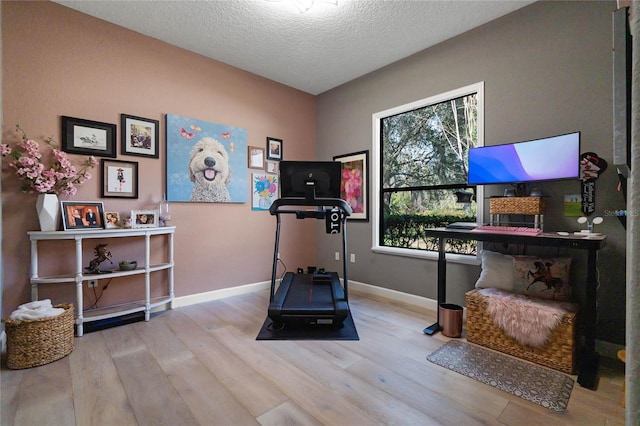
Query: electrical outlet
x=353, y=258
x=92, y=283
x=337, y=255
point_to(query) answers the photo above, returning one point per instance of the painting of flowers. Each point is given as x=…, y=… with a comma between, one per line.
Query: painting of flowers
x=354, y=183
x=264, y=191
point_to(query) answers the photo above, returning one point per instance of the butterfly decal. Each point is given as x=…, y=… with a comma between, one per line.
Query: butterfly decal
x=231, y=147
x=195, y=128
x=186, y=134
x=225, y=135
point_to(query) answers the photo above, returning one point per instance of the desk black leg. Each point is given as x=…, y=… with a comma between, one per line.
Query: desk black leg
x=589, y=357
x=442, y=286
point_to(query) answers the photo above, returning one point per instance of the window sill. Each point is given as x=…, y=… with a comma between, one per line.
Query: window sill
x=428, y=255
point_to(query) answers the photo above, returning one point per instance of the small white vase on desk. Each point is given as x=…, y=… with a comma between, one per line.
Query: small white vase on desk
x=48, y=208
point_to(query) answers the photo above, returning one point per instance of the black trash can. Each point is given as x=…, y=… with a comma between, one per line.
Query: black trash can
x=451, y=319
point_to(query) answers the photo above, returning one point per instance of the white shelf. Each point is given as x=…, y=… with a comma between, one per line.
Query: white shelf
x=79, y=276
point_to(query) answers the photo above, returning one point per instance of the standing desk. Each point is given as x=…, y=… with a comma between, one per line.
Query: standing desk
x=588, y=359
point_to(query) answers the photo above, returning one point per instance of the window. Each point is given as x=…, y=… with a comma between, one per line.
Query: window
x=420, y=171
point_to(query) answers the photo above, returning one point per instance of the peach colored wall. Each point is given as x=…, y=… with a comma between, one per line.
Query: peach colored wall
x=57, y=61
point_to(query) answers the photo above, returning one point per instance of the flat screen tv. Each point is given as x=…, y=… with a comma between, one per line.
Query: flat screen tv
x=310, y=179
x=556, y=157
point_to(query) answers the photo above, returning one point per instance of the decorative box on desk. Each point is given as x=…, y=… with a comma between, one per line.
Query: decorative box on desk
x=558, y=353
x=517, y=205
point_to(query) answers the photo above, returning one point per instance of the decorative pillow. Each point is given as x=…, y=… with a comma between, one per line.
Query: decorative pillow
x=497, y=271
x=544, y=278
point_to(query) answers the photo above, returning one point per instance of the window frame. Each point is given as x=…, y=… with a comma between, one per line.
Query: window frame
x=376, y=171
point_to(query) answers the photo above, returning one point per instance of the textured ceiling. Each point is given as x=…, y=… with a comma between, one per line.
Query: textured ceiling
x=315, y=51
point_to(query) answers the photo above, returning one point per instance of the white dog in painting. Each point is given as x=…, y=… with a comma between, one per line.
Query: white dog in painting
x=209, y=171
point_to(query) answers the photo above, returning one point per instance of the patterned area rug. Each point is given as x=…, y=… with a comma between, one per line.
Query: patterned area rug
x=537, y=384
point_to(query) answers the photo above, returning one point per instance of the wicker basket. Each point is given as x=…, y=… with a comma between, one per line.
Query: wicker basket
x=558, y=353
x=31, y=343
x=516, y=205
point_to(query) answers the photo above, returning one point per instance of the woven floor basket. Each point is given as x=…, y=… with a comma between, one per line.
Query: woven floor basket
x=558, y=353
x=31, y=343
x=516, y=205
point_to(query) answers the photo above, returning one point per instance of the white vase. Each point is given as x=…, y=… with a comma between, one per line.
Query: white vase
x=48, y=208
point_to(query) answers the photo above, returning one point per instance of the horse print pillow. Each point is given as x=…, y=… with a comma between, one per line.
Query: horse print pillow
x=544, y=278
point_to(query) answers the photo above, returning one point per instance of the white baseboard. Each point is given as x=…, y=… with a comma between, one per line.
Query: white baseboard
x=219, y=294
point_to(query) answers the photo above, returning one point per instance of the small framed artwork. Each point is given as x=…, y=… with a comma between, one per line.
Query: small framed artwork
x=112, y=220
x=82, y=215
x=88, y=137
x=140, y=136
x=274, y=149
x=265, y=191
x=256, y=157
x=272, y=167
x=144, y=218
x=119, y=179
x=354, y=184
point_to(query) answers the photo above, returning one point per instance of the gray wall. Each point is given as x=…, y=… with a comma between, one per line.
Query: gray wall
x=547, y=70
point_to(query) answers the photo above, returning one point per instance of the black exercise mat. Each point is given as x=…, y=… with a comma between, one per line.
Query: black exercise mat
x=309, y=332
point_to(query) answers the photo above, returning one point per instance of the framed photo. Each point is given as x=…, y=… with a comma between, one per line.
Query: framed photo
x=144, y=218
x=256, y=157
x=119, y=179
x=272, y=167
x=82, y=215
x=274, y=149
x=112, y=220
x=88, y=137
x=354, y=184
x=140, y=136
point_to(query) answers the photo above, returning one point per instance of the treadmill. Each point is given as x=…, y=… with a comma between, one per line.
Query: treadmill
x=315, y=297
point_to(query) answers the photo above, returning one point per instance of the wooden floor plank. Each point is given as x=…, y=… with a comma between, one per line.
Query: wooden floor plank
x=99, y=397
x=288, y=414
x=45, y=396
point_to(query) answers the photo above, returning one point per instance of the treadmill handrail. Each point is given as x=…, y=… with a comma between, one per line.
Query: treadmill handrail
x=277, y=205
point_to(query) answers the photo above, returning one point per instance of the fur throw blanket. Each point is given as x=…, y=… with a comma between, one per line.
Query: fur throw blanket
x=528, y=321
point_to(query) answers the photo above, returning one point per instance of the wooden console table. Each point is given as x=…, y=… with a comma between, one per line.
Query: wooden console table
x=588, y=361
x=78, y=276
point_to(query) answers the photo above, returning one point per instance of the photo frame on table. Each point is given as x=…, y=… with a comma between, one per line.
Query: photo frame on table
x=144, y=218
x=354, y=183
x=88, y=137
x=82, y=215
x=119, y=179
x=139, y=136
x=274, y=149
x=256, y=157
x=112, y=220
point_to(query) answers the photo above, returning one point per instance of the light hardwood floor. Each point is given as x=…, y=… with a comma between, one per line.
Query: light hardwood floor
x=201, y=365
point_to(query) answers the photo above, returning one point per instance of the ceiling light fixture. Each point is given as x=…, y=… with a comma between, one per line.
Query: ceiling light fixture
x=304, y=5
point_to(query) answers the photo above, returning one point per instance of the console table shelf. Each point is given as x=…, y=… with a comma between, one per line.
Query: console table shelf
x=78, y=276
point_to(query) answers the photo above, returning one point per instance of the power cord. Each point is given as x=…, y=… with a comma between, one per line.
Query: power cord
x=99, y=296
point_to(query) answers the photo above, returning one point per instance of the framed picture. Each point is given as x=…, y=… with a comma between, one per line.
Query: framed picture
x=274, y=149
x=112, y=220
x=82, y=215
x=264, y=191
x=144, y=218
x=191, y=175
x=272, y=167
x=140, y=136
x=119, y=179
x=256, y=157
x=354, y=184
x=88, y=137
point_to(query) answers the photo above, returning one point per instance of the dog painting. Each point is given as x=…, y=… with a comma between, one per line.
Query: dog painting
x=206, y=162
